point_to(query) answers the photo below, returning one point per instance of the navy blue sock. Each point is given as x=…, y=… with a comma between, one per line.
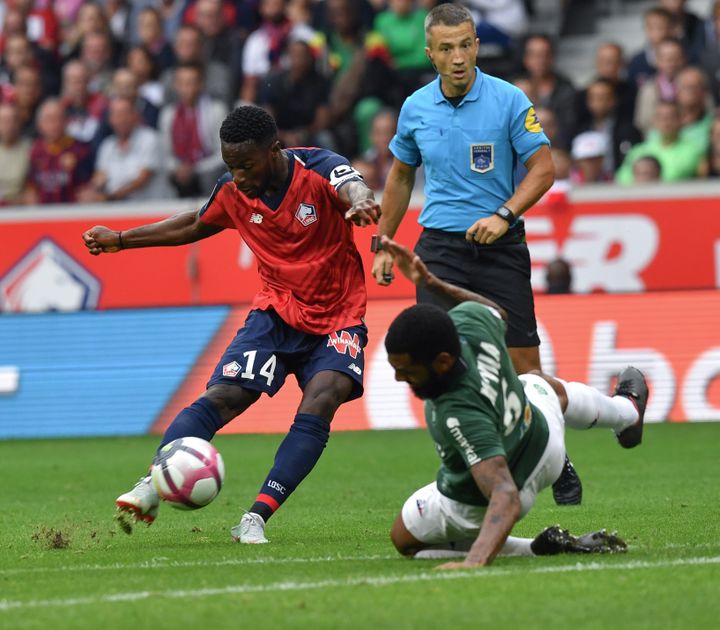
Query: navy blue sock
x=201, y=419
x=295, y=458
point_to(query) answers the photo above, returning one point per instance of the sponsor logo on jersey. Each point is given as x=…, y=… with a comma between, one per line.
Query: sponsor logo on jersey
x=344, y=343
x=48, y=279
x=256, y=217
x=454, y=425
x=482, y=157
x=231, y=369
x=355, y=368
x=532, y=124
x=306, y=214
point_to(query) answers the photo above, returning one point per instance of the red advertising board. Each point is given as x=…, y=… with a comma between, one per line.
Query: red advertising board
x=614, y=245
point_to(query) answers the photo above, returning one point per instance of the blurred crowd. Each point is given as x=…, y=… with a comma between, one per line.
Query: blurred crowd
x=122, y=99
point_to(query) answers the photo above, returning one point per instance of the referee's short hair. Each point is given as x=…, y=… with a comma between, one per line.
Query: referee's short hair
x=423, y=331
x=447, y=14
x=248, y=123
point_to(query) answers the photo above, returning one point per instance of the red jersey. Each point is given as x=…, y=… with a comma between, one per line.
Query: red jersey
x=58, y=170
x=311, y=271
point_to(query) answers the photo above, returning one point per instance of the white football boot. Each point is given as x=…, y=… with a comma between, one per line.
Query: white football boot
x=250, y=530
x=141, y=503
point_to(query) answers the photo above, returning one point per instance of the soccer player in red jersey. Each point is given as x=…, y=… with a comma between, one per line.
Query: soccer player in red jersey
x=294, y=209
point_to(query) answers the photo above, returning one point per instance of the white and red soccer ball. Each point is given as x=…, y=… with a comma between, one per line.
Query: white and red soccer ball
x=188, y=473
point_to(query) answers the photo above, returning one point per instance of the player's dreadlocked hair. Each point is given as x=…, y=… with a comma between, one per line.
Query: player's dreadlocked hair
x=423, y=331
x=248, y=124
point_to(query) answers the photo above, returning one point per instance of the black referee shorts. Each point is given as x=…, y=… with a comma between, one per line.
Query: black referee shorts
x=500, y=271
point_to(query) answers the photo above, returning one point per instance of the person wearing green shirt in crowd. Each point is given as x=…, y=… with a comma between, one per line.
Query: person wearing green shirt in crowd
x=500, y=436
x=679, y=158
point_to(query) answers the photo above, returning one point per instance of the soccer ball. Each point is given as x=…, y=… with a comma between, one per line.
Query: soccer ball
x=188, y=473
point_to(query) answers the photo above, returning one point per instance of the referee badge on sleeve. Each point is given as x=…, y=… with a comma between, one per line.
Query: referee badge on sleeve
x=482, y=157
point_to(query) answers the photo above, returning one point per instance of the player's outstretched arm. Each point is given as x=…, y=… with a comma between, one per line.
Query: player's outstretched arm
x=493, y=477
x=415, y=270
x=180, y=229
x=395, y=201
x=364, y=210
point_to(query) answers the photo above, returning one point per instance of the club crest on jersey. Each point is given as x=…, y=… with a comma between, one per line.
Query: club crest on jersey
x=482, y=157
x=256, y=217
x=344, y=343
x=231, y=369
x=306, y=214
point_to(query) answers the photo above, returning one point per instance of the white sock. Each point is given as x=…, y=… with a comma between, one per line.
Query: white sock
x=515, y=546
x=587, y=407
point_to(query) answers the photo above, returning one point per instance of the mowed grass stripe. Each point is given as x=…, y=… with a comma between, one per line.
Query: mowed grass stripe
x=370, y=580
x=180, y=564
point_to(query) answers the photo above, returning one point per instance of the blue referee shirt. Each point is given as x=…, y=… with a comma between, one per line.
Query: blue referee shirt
x=469, y=151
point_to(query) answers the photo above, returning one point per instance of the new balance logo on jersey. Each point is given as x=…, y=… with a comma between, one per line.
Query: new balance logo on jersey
x=255, y=217
x=344, y=343
x=306, y=214
x=355, y=369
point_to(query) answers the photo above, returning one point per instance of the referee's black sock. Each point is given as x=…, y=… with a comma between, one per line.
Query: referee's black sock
x=295, y=458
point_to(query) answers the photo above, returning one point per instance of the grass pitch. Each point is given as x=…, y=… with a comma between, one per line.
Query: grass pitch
x=65, y=564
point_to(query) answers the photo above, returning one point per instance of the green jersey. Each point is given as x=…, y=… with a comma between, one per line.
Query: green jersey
x=485, y=412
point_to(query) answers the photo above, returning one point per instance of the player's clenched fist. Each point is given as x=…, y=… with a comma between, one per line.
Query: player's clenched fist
x=102, y=240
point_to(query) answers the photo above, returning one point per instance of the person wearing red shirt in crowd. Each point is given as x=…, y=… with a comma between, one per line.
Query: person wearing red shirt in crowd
x=294, y=209
x=59, y=165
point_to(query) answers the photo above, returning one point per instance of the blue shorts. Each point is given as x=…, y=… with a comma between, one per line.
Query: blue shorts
x=266, y=349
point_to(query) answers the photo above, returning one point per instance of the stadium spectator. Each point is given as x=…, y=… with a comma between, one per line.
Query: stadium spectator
x=402, y=28
x=696, y=106
x=646, y=169
x=670, y=59
x=558, y=277
x=265, y=47
x=221, y=40
x=499, y=446
x=679, y=159
x=188, y=49
x=85, y=111
x=499, y=23
x=658, y=25
x=610, y=66
x=14, y=156
x=20, y=52
x=144, y=67
x=551, y=89
x=97, y=56
x=376, y=162
x=589, y=154
x=90, y=19
x=129, y=162
x=604, y=117
x=687, y=26
x=172, y=13
x=710, y=165
x=297, y=97
x=189, y=135
x=125, y=84
x=59, y=164
x=312, y=299
x=710, y=55
x=362, y=82
x=118, y=14
x=152, y=37
x=28, y=96
x=43, y=28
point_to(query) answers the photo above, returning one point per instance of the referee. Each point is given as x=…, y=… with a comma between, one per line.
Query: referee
x=469, y=129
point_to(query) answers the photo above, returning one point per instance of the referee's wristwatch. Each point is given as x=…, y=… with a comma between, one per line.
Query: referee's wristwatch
x=505, y=213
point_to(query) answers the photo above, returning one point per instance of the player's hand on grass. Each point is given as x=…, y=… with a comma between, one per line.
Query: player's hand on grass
x=102, y=240
x=488, y=230
x=364, y=212
x=455, y=566
x=409, y=263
